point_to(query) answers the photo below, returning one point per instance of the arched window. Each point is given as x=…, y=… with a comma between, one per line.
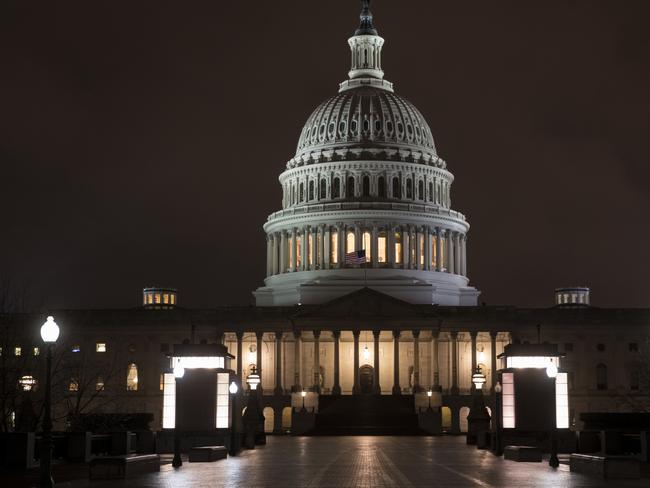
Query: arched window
x=132, y=377
x=366, y=186
x=396, y=188
x=286, y=418
x=336, y=188
x=367, y=245
x=398, y=248
x=323, y=189
x=381, y=247
x=462, y=418
x=269, y=419
x=430, y=192
x=601, y=377
x=381, y=187
x=409, y=188
x=420, y=190
x=349, y=190
x=302, y=192
x=311, y=190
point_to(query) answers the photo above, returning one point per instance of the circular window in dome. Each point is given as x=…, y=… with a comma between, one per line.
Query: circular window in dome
x=331, y=128
x=409, y=129
x=377, y=125
x=400, y=127
x=417, y=131
x=322, y=130
x=342, y=127
x=353, y=126
x=366, y=125
x=389, y=126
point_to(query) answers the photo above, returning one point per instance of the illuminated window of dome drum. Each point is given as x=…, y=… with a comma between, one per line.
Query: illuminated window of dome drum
x=349, y=244
x=74, y=385
x=166, y=298
x=156, y=298
x=310, y=247
x=381, y=247
x=433, y=252
x=172, y=300
x=398, y=248
x=367, y=239
x=421, y=253
x=18, y=351
x=100, y=347
x=334, y=247
x=298, y=251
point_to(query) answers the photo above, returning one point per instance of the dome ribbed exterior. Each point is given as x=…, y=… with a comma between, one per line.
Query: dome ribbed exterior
x=367, y=117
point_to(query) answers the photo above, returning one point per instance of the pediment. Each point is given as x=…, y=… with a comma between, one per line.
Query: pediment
x=362, y=303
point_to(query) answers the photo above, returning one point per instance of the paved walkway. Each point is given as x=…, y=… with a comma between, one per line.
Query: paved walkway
x=362, y=462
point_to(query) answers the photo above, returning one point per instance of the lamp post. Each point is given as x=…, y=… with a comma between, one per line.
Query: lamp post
x=303, y=394
x=177, y=462
x=233, y=389
x=429, y=393
x=252, y=414
x=553, y=461
x=498, y=450
x=478, y=418
x=49, y=334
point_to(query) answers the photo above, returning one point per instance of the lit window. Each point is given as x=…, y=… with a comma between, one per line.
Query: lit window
x=334, y=247
x=169, y=401
x=99, y=386
x=36, y=351
x=381, y=247
x=165, y=298
x=443, y=253
x=290, y=249
x=172, y=298
x=162, y=381
x=18, y=351
x=132, y=378
x=421, y=258
x=367, y=245
x=223, y=398
x=434, y=256
x=508, y=400
x=27, y=383
x=74, y=385
x=398, y=248
x=76, y=348
x=298, y=251
x=310, y=247
x=156, y=298
x=150, y=299
x=349, y=244
x=100, y=347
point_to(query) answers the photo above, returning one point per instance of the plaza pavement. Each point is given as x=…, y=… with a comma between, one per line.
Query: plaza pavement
x=361, y=462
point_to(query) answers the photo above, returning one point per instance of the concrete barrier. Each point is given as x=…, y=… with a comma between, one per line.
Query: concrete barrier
x=606, y=467
x=527, y=454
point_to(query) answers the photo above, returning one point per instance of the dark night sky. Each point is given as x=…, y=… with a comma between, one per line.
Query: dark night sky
x=140, y=142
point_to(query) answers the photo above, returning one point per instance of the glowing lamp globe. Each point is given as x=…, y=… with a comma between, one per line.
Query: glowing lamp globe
x=303, y=393
x=50, y=331
x=179, y=371
x=497, y=387
x=233, y=387
x=478, y=378
x=551, y=370
x=253, y=379
x=429, y=393
x=366, y=353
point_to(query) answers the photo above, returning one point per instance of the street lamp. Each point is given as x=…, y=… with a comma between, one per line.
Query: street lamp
x=429, y=393
x=478, y=378
x=233, y=389
x=497, y=425
x=553, y=461
x=252, y=416
x=303, y=394
x=177, y=462
x=478, y=419
x=49, y=334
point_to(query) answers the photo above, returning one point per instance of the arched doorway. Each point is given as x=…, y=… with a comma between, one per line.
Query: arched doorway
x=269, y=419
x=286, y=419
x=366, y=379
x=446, y=419
x=463, y=413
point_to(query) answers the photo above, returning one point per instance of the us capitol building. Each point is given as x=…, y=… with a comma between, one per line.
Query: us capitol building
x=366, y=184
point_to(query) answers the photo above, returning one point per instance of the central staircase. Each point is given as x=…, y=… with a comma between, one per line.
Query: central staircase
x=366, y=415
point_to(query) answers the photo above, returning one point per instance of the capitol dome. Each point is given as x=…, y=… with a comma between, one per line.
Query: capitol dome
x=366, y=200
x=367, y=117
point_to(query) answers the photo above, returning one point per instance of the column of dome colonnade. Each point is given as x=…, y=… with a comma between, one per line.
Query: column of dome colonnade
x=462, y=350
x=366, y=176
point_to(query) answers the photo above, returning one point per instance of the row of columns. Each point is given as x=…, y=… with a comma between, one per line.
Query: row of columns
x=318, y=243
x=336, y=334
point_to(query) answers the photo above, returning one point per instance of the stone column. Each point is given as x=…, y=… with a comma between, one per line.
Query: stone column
x=292, y=261
x=355, y=387
x=390, y=242
x=374, y=248
x=357, y=238
x=457, y=265
x=314, y=248
x=327, y=239
x=405, y=247
x=427, y=248
x=376, y=389
x=269, y=256
x=438, y=249
x=464, y=254
x=435, y=354
x=278, y=364
x=304, y=244
x=418, y=245
x=454, y=362
x=259, y=336
x=296, y=361
x=473, y=335
x=450, y=252
x=240, y=358
x=341, y=235
x=397, y=390
x=493, y=358
x=336, y=389
x=416, y=361
x=317, y=361
x=413, y=252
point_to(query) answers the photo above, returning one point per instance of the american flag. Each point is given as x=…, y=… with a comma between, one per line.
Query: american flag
x=355, y=257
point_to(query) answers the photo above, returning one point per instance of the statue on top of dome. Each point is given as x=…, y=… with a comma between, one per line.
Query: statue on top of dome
x=365, y=26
